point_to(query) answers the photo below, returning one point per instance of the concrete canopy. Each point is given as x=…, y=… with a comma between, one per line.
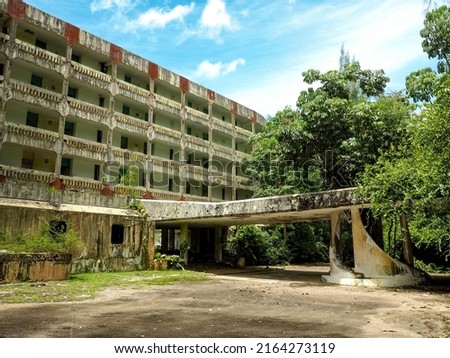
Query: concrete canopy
x=270, y=210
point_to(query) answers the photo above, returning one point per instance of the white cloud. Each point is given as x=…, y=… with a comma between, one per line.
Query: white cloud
x=215, y=19
x=159, y=18
x=98, y=5
x=210, y=70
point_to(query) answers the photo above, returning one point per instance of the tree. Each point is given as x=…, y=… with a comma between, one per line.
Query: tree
x=436, y=42
x=342, y=122
x=336, y=129
x=414, y=180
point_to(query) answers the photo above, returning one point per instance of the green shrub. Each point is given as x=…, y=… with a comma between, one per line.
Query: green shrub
x=44, y=241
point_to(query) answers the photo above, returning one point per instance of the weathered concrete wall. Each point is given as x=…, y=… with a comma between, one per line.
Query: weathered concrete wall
x=94, y=229
x=34, y=267
x=38, y=187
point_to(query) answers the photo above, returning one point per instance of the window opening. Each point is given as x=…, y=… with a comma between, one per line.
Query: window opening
x=117, y=234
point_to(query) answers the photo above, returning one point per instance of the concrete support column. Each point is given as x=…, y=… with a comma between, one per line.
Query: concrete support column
x=164, y=240
x=151, y=242
x=218, y=243
x=184, y=242
x=337, y=268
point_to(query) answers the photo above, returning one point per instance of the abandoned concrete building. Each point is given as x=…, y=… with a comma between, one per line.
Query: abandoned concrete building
x=86, y=127
x=83, y=120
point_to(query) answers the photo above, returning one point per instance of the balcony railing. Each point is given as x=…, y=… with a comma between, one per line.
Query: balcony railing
x=223, y=126
x=127, y=154
x=198, y=141
x=131, y=122
x=196, y=170
x=39, y=53
x=88, y=111
x=137, y=93
x=167, y=105
x=166, y=132
x=27, y=175
x=36, y=92
x=240, y=156
x=79, y=183
x=223, y=152
x=84, y=148
x=243, y=133
x=95, y=75
x=190, y=197
x=138, y=191
x=35, y=137
x=164, y=195
x=165, y=163
x=197, y=116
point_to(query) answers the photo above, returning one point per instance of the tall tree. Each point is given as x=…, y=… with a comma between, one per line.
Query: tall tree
x=414, y=180
x=338, y=127
x=435, y=34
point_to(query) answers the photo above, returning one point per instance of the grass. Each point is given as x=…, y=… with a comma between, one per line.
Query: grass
x=85, y=286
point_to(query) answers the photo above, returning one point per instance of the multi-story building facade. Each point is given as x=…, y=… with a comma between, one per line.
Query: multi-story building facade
x=83, y=120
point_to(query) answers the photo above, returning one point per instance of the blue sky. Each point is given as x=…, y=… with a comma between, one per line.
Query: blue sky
x=255, y=51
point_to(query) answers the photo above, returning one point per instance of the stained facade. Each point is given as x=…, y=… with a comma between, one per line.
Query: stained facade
x=82, y=120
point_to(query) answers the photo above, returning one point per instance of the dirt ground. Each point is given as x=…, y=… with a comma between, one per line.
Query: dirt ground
x=290, y=302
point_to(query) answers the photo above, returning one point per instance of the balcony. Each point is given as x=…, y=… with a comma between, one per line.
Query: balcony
x=164, y=195
x=84, y=148
x=38, y=56
x=25, y=92
x=91, y=76
x=243, y=133
x=166, y=134
x=244, y=183
x=131, y=124
x=189, y=197
x=197, y=143
x=27, y=175
x=129, y=155
x=240, y=156
x=134, y=92
x=167, y=166
x=167, y=105
x=82, y=184
x=31, y=136
x=197, y=116
x=4, y=38
x=220, y=178
x=137, y=191
x=223, y=152
x=88, y=111
x=222, y=126
x=196, y=173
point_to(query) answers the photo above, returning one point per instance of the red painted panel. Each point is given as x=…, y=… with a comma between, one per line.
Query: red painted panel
x=254, y=117
x=233, y=107
x=58, y=184
x=147, y=195
x=153, y=70
x=115, y=53
x=184, y=84
x=211, y=95
x=72, y=34
x=106, y=191
x=16, y=8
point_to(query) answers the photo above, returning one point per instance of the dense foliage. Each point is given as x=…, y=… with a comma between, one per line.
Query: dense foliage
x=414, y=179
x=48, y=239
x=344, y=131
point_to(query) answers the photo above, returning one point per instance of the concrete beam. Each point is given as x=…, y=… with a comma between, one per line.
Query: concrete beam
x=278, y=209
